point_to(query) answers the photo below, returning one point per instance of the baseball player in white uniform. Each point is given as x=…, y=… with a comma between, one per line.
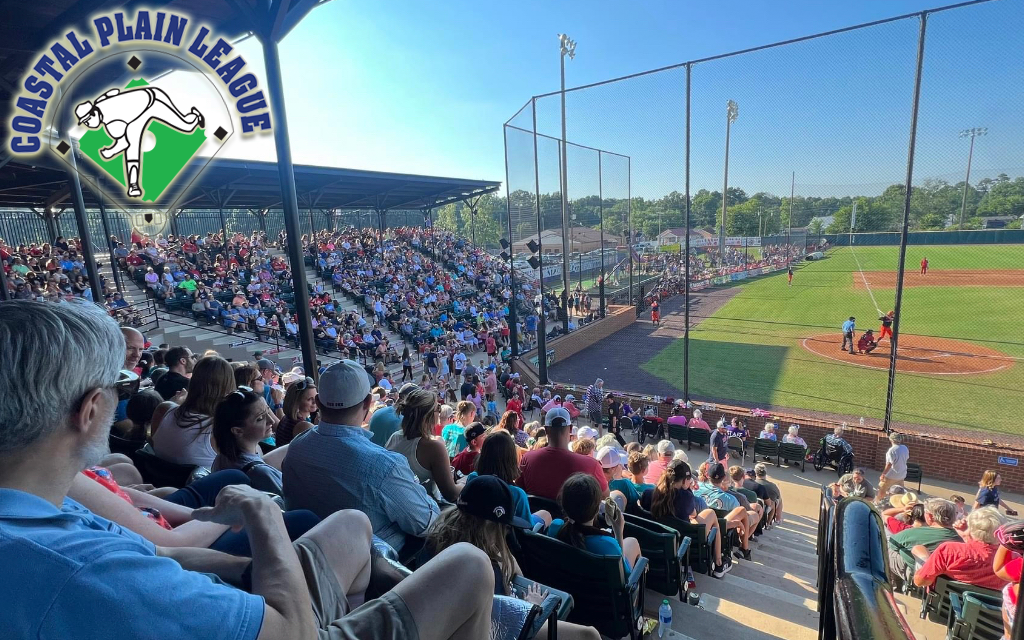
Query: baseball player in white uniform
x=125, y=115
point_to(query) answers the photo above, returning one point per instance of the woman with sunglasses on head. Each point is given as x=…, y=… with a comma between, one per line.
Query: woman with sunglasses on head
x=248, y=376
x=427, y=455
x=299, y=408
x=239, y=424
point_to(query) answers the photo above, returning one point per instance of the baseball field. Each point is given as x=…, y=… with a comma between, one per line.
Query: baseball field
x=961, y=356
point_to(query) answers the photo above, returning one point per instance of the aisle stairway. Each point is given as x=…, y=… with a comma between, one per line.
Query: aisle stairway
x=771, y=596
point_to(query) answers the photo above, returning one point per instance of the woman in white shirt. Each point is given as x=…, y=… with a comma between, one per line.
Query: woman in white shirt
x=182, y=433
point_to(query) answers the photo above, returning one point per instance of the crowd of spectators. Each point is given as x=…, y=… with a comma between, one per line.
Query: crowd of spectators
x=57, y=273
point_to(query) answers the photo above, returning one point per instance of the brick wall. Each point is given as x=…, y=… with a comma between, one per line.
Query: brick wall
x=619, y=317
x=942, y=459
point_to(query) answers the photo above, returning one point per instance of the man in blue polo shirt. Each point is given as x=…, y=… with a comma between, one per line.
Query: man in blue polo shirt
x=72, y=574
x=849, y=329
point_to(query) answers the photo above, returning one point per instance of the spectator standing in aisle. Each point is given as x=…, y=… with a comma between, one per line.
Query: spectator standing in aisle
x=895, y=470
x=594, y=400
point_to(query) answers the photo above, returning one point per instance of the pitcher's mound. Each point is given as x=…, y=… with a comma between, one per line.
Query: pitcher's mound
x=917, y=354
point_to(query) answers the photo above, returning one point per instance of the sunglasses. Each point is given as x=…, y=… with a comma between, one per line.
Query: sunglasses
x=303, y=384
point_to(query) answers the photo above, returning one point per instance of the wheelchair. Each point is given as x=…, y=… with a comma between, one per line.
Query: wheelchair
x=836, y=453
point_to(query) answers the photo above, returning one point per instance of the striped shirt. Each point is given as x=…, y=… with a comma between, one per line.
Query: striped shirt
x=333, y=467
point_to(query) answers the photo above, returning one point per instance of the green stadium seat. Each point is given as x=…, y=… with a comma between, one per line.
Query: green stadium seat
x=793, y=453
x=914, y=474
x=936, y=605
x=698, y=437
x=666, y=551
x=605, y=597
x=975, y=616
x=767, y=448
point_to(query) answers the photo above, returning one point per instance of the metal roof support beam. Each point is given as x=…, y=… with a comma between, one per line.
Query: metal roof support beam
x=286, y=171
x=88, y=256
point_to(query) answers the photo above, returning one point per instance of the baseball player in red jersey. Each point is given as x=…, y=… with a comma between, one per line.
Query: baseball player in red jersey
x=655, y=314
x=924, y=266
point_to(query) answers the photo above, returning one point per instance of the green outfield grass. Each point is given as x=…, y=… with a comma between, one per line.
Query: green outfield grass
x=749, y=350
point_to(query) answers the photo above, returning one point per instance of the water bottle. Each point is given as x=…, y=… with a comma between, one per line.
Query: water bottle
x=664, y=618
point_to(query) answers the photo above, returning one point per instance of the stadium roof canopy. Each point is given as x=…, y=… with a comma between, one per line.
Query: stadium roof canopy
x=247, y=184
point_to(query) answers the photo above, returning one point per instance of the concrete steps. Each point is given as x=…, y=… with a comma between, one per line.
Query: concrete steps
x=772, y=596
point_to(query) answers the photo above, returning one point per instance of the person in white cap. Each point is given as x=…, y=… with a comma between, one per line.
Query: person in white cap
x=544, y=470
x=335, y=466
x=613, y=461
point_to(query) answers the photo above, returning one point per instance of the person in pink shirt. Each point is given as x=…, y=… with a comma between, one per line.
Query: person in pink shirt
x=490, y=384
x=677, y=417
x=556, y=402
x=657, y=466
x=697, y=422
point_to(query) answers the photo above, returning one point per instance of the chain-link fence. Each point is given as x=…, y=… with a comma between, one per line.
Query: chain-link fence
x=786, y=170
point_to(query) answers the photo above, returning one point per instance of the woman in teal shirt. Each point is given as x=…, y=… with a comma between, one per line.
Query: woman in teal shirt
x=580, y=499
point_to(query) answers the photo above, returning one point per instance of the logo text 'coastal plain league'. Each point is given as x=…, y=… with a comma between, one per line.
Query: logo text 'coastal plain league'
x=116, y=119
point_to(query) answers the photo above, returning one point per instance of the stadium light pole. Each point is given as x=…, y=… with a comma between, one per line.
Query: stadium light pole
x=972, y=134
x=567, y=47
x=732, y=111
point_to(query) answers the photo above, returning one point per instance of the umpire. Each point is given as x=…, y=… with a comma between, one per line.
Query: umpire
x=848, y=329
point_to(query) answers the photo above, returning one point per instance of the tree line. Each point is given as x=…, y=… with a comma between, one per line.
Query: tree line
x=933, y=206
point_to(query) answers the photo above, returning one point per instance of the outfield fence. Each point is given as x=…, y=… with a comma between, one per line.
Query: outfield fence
x=859, y=143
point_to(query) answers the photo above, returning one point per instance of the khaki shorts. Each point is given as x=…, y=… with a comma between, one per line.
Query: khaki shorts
x=385, y=618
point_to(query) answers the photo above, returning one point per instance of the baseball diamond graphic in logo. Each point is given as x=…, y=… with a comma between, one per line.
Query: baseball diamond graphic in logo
x=118, y=120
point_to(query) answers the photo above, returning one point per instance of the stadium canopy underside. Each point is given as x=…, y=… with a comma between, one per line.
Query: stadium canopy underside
x=247, y=184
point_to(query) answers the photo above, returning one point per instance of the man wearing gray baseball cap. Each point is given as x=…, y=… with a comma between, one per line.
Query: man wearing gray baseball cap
x=335, y=466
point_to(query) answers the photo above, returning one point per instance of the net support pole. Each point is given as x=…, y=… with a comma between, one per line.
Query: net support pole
x=686, y=254
x=600, y=197
x=905, y=227
x=513, y=329
x=629, y=223
x=542, y=329
x=110, y=248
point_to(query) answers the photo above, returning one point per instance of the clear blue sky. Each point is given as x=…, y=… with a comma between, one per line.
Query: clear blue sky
x=422, y=87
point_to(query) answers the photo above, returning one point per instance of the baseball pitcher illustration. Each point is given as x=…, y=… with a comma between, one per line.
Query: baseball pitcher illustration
x=125, y=115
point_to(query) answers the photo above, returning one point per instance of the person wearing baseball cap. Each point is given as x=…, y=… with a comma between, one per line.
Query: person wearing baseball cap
x=544, y=470
x=335, y=466
x=465, y=462
x=484, y=512
x=715, y=493
x=613, y=463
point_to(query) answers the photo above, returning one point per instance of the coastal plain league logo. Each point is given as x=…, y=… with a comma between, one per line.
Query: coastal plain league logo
x=142, y=135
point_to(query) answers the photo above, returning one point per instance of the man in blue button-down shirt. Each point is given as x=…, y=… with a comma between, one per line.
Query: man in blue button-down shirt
x=848, y=334
x=336, y=466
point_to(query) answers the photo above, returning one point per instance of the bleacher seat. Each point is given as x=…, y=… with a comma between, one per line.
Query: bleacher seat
x=793, y=453
x=698, y=437
x=667, y=553
x=605, y=598
x=974, y=616
x=914, y=474
x=160, y=473
x=767, y=448
x=935, y=605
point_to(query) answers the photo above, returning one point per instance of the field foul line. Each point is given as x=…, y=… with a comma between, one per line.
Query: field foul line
x=924, y=373
x=865, y=280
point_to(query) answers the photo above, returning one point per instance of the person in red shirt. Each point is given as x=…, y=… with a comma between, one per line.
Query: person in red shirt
x=465, y=462
x=924, y=266
x=970, y=561
x=544, y=471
